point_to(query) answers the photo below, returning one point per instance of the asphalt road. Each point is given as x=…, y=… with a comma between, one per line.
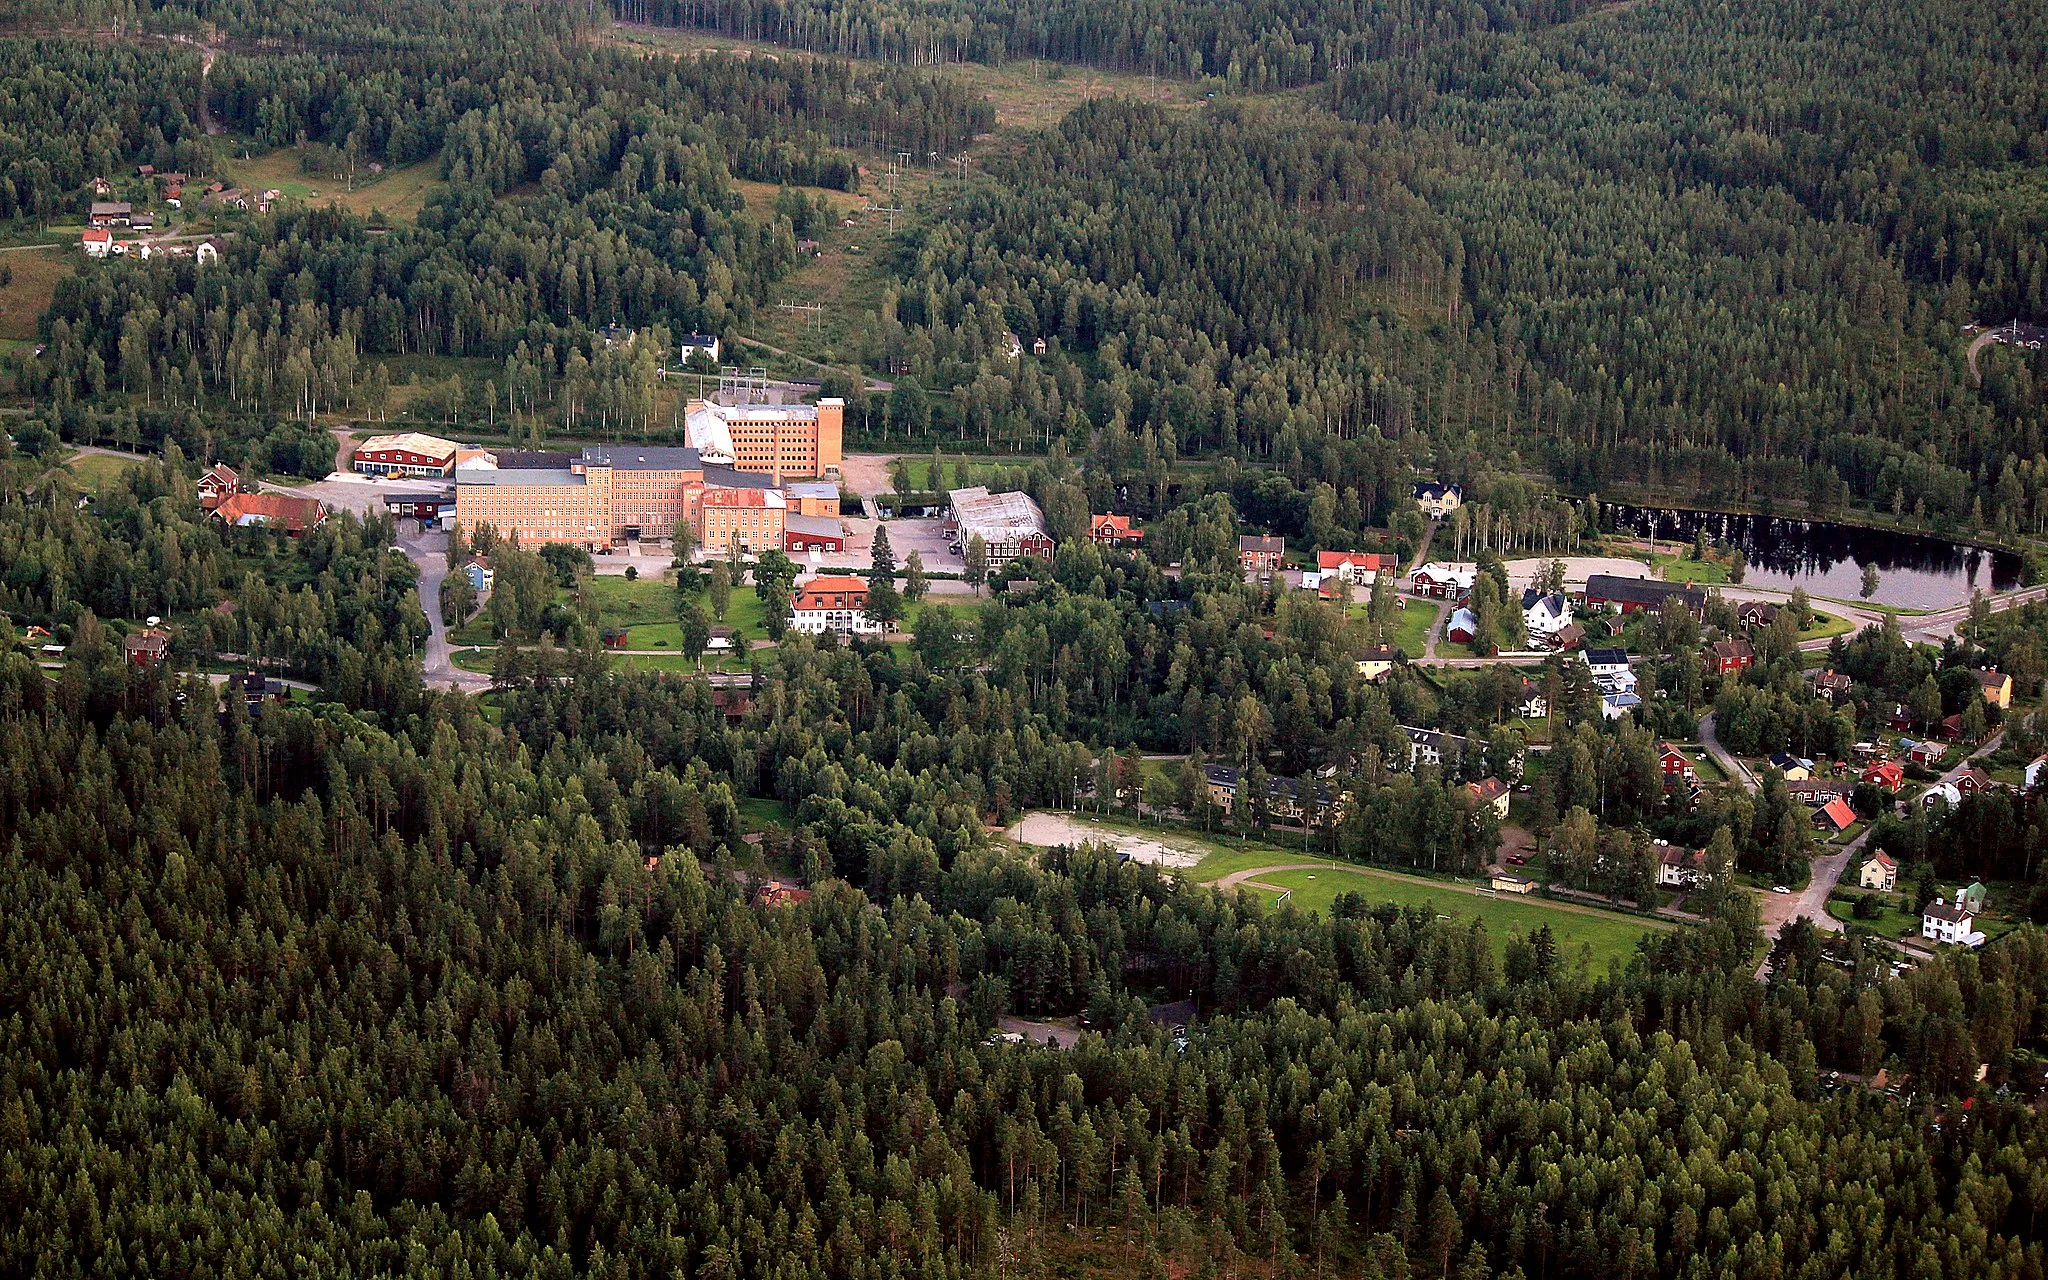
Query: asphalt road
x=429, y=552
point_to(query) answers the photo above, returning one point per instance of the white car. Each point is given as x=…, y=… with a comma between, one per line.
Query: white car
x=1779, y=889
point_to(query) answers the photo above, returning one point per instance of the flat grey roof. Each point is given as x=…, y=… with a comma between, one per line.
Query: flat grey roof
x=816, y=526
x=521, y=476
x=627, y=457
x=717, y=476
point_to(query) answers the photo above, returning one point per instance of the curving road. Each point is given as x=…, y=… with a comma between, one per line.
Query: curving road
x=429, y=551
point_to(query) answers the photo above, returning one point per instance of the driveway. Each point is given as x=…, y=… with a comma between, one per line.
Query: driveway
x=1711, y=744
x=429, y=553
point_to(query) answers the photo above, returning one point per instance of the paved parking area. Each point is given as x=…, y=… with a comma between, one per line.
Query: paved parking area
x=926, y=537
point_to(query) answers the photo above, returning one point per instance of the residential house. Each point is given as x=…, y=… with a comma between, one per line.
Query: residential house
x=1376, y=662
x=1971, y=897
x=1751, y=614
x=703, y=344
x=1832, y=685
x=1259, y=552
x=256, y=689
x=1437, y=499
x=1679, y=867
x=1794, y=768
x=1112, y=531
x=1545, y=614
x=1444, y=579
x=2036, y=771
x=1952, y=922
x=1490, y=792
x=220, y=483
x=1835, y=816
x=1926, y=753
x=1463, y=627
x=1885, y=775
x=1879, y=872
x=146, y=647
x=1674, y=763
x=832, y=602
x=1732, y=656
x=777, y=894
x=1359, y=568
x=98, y=242
x=293, y=515
x=1941, y=795
x=1996, y=687
x=1570, y=636
x=1606, y=662
x=1813, y=792
x=1613, y=706
x=1429, y=747
x=1951, y=727
x=1503, y=882
x=1633, y=595
x=1535, y=704
x=110, y=213
x=479, y=572
x=722, y=639
x=1973, y=781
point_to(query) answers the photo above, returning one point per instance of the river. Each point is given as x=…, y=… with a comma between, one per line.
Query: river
x=1915, y=571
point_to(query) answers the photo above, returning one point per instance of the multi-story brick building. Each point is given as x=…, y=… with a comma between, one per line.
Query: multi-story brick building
x=784, y=440
x=619, y=493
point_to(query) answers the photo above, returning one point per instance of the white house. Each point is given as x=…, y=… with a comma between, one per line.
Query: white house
x=832, y=602
x=2035, y=772
x=1680, y=868
x=1607, y=662
x=1614, y=706
x=1544, y=615
x=1951, y=922
x=1942, y=793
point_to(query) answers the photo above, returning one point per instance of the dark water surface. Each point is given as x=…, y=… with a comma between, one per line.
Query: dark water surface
x=1915, y=571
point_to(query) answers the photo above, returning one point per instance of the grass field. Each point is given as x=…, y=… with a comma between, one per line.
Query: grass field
x=1410, y=629
x=94, y=470
x=398, y=193
x=27, y=295
x=1607, y=936
x=1683, y=568
x=1826, y=626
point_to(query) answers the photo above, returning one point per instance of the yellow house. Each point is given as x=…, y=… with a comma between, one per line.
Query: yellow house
x=1997, y=687
x=1376, y=662
x=1879, y=873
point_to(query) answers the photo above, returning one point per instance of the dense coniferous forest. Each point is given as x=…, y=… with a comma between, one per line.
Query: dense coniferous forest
x=381, y=992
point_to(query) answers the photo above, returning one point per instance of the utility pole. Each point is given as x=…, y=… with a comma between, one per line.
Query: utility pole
x=816, y=311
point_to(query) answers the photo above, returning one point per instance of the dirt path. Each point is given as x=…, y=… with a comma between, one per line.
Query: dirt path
x=1977, y=344
x=1249, y=879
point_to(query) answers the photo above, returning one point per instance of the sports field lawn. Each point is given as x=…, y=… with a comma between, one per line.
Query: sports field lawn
x=1607, y=935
